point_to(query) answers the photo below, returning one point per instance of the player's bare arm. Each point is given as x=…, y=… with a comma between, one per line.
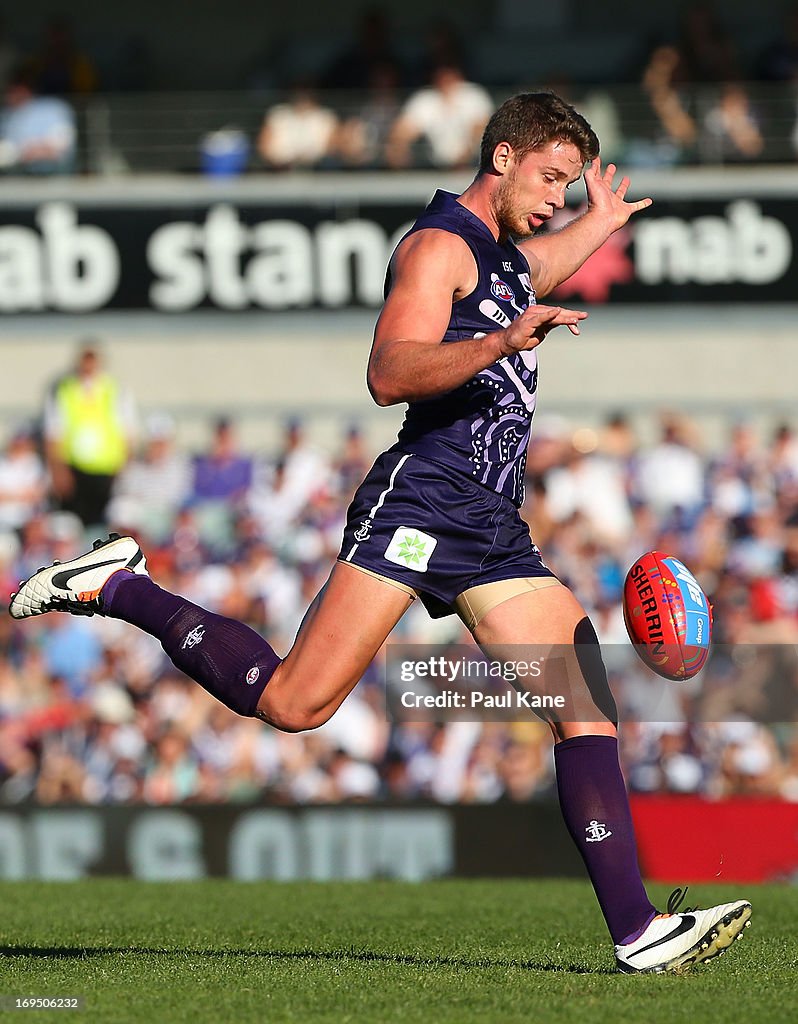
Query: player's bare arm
x=555, y=257
x=409, y=362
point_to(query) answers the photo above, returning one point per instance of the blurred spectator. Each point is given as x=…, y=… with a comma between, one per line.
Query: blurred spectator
x=618, y=439
x=783, y=458
x=731, y=128
x=37, y=133
x=72, y=652
x=758, y=553
x=152, y=487
x=749, y=760
x=352, y=780
x=306, y=468
x=23, y=482
x=89, y=424
x=739, y=481
x=60, y=68
x=274, y=588
x=364, y=135
x=280, y=499
x=274, y=505
x=172, y=775
x=224, y=472
x=300, y=133
x=524, y=769
x=592, y=484
x=667, y=761
x=222, y=478
x=671, y=476
x=675, y=129
x=443, y=121
x=62, y=778
x=353, y=462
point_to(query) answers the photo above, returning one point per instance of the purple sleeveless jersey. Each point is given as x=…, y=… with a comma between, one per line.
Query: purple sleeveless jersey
x=482, y=427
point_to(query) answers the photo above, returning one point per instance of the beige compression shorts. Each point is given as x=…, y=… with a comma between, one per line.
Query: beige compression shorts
x=474, y=604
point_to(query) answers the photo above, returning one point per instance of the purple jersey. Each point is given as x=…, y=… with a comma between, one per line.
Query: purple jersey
x=482, y=427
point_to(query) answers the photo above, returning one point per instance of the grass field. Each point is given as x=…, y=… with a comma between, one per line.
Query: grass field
x=459, y=952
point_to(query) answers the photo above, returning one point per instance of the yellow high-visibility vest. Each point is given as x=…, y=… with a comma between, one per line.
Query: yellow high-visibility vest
x=93, y=438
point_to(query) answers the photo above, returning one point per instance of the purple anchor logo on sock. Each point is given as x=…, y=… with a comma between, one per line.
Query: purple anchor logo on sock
x=597, y=832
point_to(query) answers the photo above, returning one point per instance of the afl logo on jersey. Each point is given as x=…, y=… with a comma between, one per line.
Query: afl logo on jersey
x=502, y=291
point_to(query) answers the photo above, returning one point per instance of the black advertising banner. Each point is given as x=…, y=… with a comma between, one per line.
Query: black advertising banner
x=65, y=256
x=409, y=842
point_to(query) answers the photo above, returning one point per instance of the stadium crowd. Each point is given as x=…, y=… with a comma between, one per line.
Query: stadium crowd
x=377, y=101
x=92, y=711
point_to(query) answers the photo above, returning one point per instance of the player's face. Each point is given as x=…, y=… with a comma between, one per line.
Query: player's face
x=533, y=188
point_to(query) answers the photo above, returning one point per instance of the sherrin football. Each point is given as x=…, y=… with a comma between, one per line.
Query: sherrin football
x=668, y=616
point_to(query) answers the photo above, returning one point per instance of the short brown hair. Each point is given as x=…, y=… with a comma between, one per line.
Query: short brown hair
x=529, y=121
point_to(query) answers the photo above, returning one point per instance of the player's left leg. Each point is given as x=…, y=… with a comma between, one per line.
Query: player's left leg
x=338, y=639
x=591, y=789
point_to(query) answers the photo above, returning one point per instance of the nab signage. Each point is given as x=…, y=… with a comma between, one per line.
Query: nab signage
x=76, y=257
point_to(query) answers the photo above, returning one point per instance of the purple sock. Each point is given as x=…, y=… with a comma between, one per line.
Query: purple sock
x=595, y=807
x=230, y=660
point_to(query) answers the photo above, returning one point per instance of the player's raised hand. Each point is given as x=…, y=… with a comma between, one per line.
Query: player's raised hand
x=602, y=197
x=532, y=326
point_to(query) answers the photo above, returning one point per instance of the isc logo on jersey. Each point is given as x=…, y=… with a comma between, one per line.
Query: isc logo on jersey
x=502, y=290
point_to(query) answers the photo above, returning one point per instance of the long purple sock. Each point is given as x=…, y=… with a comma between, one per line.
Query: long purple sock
x=230, y=660
x=595, y=807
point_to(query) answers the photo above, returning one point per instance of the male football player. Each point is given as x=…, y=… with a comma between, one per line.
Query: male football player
x=437, y=516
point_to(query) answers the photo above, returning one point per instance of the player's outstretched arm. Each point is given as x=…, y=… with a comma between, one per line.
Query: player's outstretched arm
x=554, y=257
x=409, y=362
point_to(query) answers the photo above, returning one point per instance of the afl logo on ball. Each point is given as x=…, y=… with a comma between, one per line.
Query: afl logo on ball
x=502, y=291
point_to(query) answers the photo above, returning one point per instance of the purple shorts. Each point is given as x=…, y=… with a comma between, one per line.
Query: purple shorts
x=436, y=531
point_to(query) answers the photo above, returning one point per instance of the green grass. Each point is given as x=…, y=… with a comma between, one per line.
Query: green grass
x=459, y=952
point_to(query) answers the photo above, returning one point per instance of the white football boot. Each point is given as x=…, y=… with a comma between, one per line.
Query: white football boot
x=75, y=586
x=675, y=941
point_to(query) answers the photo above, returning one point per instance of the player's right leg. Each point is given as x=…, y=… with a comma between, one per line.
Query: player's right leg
x=340, y=635
x=590, y=785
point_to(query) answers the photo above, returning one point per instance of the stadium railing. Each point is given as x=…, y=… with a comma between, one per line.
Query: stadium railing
x=157, y=132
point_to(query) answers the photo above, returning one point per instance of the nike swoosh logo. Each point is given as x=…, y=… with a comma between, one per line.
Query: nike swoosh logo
x=685, y=924
x=61, y=579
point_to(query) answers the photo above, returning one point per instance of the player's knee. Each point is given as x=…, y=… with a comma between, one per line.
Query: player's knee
x=290, y=716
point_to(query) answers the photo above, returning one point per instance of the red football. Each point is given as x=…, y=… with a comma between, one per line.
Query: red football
x=668, y=616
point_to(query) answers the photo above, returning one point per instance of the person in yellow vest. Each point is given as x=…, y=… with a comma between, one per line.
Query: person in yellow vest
x=89, y=425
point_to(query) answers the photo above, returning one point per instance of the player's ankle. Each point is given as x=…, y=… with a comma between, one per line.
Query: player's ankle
x=111, y=585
